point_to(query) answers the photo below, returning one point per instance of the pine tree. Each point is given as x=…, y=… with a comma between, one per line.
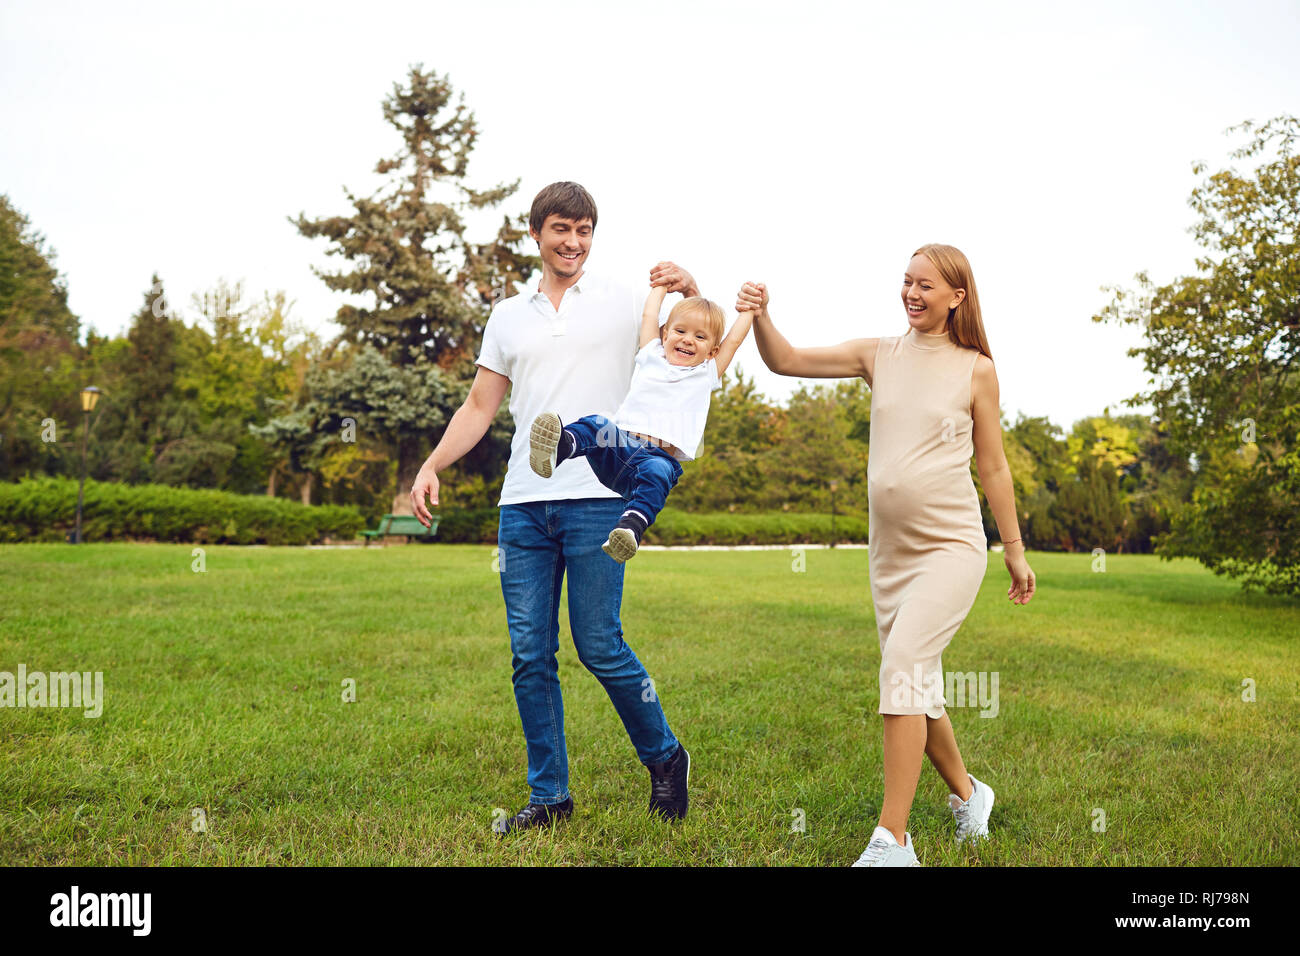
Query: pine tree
x=432, y=288
x=150, y=362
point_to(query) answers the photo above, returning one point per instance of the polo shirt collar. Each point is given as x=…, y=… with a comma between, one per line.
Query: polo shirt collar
x=583, y=280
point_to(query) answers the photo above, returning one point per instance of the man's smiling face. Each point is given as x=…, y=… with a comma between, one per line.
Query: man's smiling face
x=563, y=245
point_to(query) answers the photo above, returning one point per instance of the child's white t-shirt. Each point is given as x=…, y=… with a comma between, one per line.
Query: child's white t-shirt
x=669, y=402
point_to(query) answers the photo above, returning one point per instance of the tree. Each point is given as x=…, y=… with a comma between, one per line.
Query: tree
x=1157, y=485
x=1091, y=510
x=819, y=444
x=150, y=365
x=1026, y=480
x=32, y=293
x=160, y=420
x=729, y=469
x=1044, y=443
x=1103, y=438
x=241, y=366
x=1221, y=346
x=364, y=398
x=38, y=352
x=431, y=288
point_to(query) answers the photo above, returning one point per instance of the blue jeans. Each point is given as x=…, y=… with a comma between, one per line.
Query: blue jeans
x=539, y=541
x=639, y=471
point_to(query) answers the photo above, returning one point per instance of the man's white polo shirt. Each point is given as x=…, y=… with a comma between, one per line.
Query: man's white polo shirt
x=573, y=361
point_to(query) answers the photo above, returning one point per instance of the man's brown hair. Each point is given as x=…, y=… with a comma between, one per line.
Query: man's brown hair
x=566, y=200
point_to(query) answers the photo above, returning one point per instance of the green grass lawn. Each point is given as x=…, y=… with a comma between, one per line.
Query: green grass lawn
x=1119, y=691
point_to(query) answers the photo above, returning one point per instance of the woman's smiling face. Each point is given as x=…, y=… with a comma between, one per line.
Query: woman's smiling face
x=927, y=297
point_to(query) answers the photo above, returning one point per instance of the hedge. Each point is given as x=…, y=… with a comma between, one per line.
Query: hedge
x=45, y=509
x=468, y=526
x=683, y=528
x=778, y=527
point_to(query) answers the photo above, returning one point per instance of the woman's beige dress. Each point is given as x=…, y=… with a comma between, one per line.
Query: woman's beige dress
x=927, y=551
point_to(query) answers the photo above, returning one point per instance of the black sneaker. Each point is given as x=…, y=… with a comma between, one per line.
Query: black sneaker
x=668, y=783
x=536, y=815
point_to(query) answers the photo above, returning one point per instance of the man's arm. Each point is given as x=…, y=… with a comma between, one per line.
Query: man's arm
x=463, y=432
x=739, y=329
x=650, y=315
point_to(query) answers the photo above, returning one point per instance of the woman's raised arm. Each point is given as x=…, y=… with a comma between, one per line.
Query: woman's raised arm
x=852, y=359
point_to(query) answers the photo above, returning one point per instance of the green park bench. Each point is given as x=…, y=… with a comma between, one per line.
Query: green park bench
x=403, y=524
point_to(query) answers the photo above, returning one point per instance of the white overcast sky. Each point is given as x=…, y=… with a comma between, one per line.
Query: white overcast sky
x=809, y=145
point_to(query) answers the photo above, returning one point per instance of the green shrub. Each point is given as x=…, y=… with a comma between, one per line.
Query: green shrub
x=468, y=525
x=45, y=509
x=479, y=526
x=778, y=527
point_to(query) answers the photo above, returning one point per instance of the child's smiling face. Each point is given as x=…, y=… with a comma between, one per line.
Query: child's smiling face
x=687, y=340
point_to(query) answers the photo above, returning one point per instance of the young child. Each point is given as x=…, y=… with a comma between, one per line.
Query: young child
x=934, y=403
x=661, y=421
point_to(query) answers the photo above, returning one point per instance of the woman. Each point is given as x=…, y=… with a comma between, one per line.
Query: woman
x=934, y=399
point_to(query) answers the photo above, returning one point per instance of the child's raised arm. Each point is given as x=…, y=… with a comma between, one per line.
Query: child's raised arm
x=726, y=351
x=650, y=315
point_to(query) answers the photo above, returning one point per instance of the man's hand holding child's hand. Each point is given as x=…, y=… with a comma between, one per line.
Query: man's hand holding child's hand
x=675, y=278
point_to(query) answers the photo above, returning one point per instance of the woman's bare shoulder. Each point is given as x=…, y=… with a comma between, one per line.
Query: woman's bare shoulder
x=983, y=379
x=870, y=347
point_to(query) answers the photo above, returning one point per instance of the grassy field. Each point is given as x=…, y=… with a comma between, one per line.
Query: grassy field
x=1118, y=691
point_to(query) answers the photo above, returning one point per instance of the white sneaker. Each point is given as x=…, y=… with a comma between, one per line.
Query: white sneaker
x=884, y=850
x=972, y=816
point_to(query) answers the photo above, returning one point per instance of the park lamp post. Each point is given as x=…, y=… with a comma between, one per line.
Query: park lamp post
x=833, y=485
x=89, y=396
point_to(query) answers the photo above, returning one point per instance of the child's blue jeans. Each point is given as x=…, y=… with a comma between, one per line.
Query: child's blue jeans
x=643, y=473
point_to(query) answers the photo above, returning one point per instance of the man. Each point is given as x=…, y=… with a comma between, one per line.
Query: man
x=567, y=346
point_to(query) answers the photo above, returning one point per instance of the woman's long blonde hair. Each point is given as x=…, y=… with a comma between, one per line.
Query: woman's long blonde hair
x=965, y=324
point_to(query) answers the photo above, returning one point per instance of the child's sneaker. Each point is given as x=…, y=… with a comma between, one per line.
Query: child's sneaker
x=542, y=442
x=885, y=850
x=622, y=544
x=626, y=538
x=972, y=815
